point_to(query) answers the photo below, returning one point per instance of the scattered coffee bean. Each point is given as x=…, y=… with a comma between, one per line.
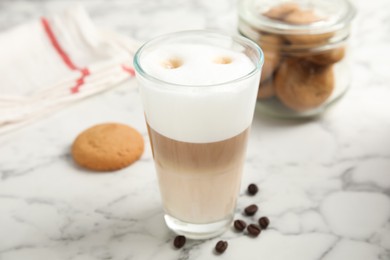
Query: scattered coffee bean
x=263, y=222
x=253, y=230
x=251, y=210
x=221, y=246
x=179, y=241
x=239, y=225
x=252, y=189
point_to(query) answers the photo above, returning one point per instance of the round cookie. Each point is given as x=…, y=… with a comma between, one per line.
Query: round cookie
x=309, y=39
x=304, y=17
x=107, y=147
x=270, y=45
x=328, y=57
x=280, y=11
x=301, y=17
x=271, y=62
x=301, y=85
x=266, y=89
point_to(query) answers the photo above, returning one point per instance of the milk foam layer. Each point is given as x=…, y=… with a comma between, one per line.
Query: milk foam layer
x=202, y=113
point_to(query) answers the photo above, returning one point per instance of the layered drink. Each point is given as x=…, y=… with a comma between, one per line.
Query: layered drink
x=199, y=91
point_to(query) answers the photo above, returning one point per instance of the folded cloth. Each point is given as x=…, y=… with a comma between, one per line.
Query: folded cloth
x=52, y=62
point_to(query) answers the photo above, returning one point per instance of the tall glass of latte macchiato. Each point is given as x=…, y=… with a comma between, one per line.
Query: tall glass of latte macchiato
x=199, y=91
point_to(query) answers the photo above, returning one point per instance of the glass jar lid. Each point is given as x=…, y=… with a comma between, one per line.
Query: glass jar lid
x=280, y=16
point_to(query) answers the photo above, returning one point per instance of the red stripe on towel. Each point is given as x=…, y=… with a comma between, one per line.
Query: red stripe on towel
x=129, y=70
x=80, y=82
x=64, y=56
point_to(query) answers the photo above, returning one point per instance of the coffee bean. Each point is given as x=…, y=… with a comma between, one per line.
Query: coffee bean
x=221, y=246
x=252, y=189
x=239, y=225
x=253, y=230
x=263, y=222
x=251, y=210
x=179, y=241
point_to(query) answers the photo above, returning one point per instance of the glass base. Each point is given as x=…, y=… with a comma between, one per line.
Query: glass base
x=198, y=231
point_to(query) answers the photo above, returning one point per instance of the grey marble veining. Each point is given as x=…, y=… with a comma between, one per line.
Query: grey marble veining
x=325, y=184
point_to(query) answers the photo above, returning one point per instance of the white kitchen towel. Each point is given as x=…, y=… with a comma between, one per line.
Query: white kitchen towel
x=53, y=61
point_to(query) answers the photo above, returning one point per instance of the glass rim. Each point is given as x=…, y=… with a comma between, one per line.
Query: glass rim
x=236, y=38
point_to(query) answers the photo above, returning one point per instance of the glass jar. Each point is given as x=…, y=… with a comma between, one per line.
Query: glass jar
x=306, y=57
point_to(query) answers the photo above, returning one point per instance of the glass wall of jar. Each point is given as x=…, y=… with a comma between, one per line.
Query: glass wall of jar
x=305, y=49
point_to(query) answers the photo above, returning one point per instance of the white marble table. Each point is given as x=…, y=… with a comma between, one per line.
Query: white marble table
x=325, y=184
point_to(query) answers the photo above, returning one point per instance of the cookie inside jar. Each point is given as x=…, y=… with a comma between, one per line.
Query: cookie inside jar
x=305, y=49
